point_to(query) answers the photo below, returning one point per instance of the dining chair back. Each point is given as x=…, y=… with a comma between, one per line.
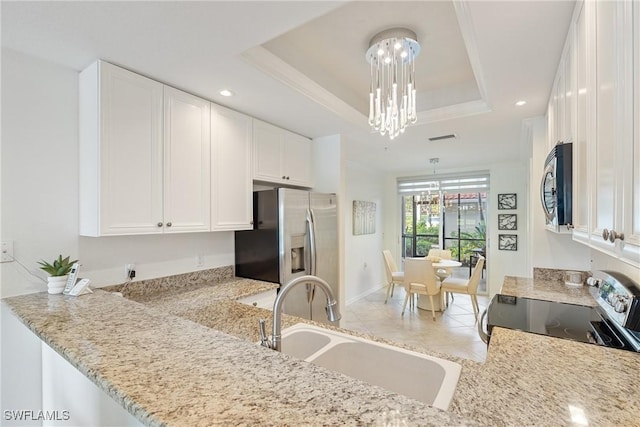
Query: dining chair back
x=434, y=254
x=466, y=286
x=440, y=253
x=420, y=279
x=394, y=276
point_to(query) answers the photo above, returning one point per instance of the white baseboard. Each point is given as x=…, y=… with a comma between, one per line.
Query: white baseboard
x=363, y=294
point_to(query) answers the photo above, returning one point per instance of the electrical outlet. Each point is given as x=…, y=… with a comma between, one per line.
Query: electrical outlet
x=130, y=271
x=199, y=260
x=6, y=251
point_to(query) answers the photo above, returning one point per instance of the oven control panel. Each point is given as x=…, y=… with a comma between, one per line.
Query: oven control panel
x=617, y=297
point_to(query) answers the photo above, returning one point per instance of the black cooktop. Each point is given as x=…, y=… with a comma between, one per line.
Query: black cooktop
x=549, y=318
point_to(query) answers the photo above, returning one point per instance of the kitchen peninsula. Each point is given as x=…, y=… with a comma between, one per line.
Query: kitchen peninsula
x=167, y=370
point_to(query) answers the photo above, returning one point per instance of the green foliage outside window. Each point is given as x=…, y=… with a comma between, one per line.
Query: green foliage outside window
x=426, y=236
x=477, y=239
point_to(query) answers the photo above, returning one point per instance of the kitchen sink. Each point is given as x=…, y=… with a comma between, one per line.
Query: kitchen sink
x=419, y=376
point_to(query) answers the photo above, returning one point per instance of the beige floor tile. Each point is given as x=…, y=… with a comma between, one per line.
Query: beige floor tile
x=453, y=332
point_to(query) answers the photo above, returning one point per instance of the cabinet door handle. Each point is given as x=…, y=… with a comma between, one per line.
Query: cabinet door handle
x=168, y=224
x=613, y=235
x=159, y=224
x=605, y=234
x=287, y=177
x=284, y=177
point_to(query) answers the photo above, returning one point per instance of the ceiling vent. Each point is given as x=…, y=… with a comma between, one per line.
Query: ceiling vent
x=441, y=137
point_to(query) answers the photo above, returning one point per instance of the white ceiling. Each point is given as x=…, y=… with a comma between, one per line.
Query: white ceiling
x=300, y=64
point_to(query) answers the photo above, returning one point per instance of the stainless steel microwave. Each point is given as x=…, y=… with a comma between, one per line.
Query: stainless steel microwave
x=556, y=188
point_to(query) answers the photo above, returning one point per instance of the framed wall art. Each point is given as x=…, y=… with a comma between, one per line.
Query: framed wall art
x=507, y=222
x=364, y=218
x=507, y=201
x=508, y=242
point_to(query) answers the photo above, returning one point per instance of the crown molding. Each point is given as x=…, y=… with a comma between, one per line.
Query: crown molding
x=275, y=67
x=469, y=37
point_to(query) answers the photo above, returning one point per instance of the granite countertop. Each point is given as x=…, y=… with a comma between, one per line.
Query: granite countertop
x=530, y=379
x=136, y=353
x=548, y=289
x=168, y=370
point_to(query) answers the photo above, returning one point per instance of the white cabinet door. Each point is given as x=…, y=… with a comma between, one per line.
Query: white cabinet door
x=584, y=118
x=630, y=133
x=231, y=178
x=568, y=127
x=187, y=181
x=551, y=127
x=120, y=152
x=633, y=215
x=560, y=105
x=267, y=163
x=604, y=197
x=264, y=299
x=280, y=156
x=297, y=159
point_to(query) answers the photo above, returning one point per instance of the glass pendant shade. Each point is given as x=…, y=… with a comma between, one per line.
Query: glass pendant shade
x=392, y=94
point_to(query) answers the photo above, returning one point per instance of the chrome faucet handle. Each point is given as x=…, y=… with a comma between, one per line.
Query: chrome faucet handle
x=264, y=340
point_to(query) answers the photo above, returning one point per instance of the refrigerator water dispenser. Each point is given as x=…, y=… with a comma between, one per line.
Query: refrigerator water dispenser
x=297, y=253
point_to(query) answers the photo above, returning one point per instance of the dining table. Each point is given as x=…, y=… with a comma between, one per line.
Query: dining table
x=424, y=303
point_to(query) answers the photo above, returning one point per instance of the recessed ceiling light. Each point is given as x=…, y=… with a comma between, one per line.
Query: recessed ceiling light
x=226, y=92
x=520, y=103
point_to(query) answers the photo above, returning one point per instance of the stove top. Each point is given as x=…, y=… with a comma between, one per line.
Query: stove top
x=615, y=322
x=554, y=319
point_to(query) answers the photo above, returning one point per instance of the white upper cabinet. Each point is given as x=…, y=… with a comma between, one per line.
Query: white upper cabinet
x=187, y=181
x=607, y=113
x=120, y=152
x=606, y=177
x=144, y=155
x=231, y=174
x=296, y=159
x=631, y=185
x=267, y=162
x=561, y=109
x=280, y=156
x=584, y=56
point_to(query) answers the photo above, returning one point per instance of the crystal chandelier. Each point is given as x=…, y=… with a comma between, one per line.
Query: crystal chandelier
x=392, y=94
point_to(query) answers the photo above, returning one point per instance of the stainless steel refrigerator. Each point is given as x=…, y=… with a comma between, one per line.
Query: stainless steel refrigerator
x=295, y=232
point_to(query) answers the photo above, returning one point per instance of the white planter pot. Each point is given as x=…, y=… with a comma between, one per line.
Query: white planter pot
x=56, y=284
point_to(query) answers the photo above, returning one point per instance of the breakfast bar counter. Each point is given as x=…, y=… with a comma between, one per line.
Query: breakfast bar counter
x=167, y=370
x=189, y=356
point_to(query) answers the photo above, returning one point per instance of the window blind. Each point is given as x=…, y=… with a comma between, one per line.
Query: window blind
x=475, y=182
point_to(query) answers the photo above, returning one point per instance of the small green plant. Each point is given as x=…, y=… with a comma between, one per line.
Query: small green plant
x=59, y=267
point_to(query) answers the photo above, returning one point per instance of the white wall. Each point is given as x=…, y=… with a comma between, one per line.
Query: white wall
x=548, y=249
x=40, y=190
x=363, y=254
x=361, y=268
x=509, y=177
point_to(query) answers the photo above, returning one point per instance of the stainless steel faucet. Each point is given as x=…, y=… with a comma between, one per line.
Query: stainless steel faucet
x=333, y=313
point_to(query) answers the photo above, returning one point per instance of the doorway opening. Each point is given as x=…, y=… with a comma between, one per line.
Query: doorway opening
x=446, y=212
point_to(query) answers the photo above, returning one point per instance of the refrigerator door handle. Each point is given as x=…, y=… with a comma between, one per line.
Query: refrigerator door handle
x=312, y=241
x=311, y=288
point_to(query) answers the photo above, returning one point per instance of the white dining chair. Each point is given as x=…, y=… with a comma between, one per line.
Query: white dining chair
x=465, y=286
x=394, y=276
x=420, y=279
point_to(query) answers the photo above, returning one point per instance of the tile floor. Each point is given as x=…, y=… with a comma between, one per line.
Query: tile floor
x=453, y=332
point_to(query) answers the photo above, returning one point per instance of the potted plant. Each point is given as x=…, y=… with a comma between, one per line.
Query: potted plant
x=58, y=271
